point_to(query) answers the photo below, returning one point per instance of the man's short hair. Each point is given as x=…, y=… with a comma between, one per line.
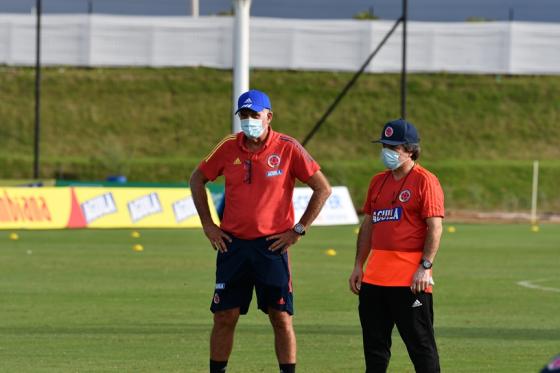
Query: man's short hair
x=414, y=149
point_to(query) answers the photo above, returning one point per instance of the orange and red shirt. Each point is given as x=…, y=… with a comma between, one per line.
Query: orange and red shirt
x=399, y=209
x=258, y=185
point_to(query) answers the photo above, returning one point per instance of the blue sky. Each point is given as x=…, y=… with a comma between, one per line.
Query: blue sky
x=423, y=10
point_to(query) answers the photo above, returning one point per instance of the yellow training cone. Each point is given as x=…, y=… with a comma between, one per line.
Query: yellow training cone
x=330, y=252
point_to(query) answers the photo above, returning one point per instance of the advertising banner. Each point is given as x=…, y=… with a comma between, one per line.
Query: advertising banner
x=63, y=207
x=138, y=208
x=35, y=208
x=338, y=210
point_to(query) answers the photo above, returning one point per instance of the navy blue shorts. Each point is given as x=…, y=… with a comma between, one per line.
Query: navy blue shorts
x=249, y=264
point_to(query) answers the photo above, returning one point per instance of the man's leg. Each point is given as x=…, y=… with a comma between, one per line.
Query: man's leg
x=414, y=319
x=377, y=324
x=284, y=337
x=274, y=297
x=221, y=339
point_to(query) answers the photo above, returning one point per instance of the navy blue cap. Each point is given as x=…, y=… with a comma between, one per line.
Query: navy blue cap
x=398, y=132
x=253, y=100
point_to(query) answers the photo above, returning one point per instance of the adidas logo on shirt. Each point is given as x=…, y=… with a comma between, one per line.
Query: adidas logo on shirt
x=237, y=161
x=416, y=304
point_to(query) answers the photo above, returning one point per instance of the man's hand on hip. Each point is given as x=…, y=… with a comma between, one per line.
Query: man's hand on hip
x=216, y=236
x=283, y=240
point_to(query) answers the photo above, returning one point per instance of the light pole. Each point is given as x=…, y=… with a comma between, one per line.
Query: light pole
x=194, y=8
x=240, y=55
x=404, y=70
x=37, y=138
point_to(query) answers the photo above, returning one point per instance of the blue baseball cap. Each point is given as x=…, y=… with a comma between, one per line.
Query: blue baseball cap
x=253, y=100
x=398, y=132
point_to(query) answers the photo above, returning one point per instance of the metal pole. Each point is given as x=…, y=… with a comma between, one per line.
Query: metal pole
x=241, y=55
x=403, y=72
x=535, y=192
x=349, y=85
x=194, y=8
x=36, y=172
x=90, y=7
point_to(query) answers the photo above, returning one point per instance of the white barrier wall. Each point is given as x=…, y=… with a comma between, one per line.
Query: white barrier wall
x=338, y=209
x=97, y=40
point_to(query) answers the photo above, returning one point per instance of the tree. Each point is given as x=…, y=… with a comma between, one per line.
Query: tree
x=366, y=15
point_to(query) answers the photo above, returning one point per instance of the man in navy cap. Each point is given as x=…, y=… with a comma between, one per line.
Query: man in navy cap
x=260, y=167
x=400, y=234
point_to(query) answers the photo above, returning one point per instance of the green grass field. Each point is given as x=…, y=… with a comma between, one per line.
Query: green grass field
x=84, y=301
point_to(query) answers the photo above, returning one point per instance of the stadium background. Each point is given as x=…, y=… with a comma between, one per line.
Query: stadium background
x=83, y=301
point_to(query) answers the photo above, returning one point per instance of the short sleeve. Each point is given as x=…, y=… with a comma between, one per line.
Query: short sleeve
x=303, y=165
x=367, y=203
x=432, y=198
x=213, y=165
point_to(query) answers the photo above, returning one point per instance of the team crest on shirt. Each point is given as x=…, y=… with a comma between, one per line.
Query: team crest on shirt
x=405, y=195
x=273, y=160
x=216, y=298
x=389, y=131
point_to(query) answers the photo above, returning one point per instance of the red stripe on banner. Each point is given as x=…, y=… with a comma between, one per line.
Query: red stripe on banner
x=76, y=219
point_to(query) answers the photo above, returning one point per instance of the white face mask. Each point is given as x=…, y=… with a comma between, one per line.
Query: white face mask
x=390, y=158
x=252, y=128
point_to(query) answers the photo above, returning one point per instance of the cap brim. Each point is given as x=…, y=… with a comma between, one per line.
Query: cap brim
x=252, y=107
x=389, y=142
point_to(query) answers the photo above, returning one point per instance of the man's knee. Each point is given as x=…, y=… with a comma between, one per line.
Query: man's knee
x=281, y=321
x=226, y=319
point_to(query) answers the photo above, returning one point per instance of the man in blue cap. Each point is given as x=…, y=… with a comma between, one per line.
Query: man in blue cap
x=400, y=234
x=260, y=167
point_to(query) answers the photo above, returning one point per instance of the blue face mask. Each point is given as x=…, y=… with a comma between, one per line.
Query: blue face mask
x=252, y=128
x=390, y=158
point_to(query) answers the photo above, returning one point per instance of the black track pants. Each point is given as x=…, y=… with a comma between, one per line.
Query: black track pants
x=382, y=307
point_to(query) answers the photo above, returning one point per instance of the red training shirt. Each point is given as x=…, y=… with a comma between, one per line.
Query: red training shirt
x=259, y=185
x=398, y=210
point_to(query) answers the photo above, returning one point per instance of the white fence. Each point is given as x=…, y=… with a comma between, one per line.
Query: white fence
x=82, y=40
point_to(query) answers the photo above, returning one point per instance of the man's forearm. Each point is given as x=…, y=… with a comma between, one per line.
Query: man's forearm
x=321, y=192
x=363, y=246
x=433, y=237
x=200, y=198
x=318, y=199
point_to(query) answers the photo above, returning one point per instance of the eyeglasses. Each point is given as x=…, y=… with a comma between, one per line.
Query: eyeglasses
x=247, y=167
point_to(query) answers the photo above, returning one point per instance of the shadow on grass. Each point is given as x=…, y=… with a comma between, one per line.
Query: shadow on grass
x=525, y=334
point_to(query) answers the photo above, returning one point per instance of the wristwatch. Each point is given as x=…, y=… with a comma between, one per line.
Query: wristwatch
x=299, y=229
x=426, y=264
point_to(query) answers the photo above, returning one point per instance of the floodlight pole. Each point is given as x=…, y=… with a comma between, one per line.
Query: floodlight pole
x=404, y=72
x=349, y=85
x=194, y=8
x=36, y=148
x=240, y=55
